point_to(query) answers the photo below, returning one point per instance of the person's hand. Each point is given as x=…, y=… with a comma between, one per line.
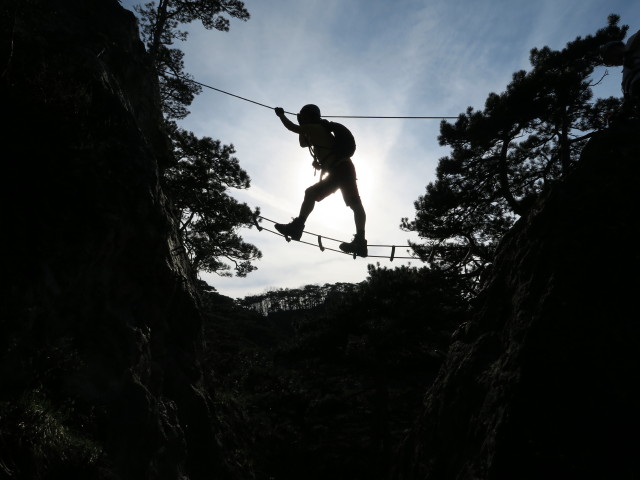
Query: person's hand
x=279, y=111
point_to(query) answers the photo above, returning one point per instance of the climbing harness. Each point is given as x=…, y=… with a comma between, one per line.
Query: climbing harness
x=314, y=156
x=322, y=248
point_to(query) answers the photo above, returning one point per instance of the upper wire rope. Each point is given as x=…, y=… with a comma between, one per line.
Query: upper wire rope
x=291, y=113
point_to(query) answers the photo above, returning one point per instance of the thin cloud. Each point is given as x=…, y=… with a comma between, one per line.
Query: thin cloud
x=362, y=57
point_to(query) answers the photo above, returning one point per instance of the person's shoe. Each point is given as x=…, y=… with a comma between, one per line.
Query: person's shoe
x=291, y=230
x=358, y=246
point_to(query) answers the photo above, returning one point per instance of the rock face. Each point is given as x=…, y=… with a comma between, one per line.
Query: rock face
x=100, y=328
x=545, y=381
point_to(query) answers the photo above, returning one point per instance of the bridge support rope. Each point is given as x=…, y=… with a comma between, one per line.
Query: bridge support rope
x=322, y=248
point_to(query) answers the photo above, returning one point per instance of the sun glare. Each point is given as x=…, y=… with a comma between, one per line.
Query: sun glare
x=331, y=215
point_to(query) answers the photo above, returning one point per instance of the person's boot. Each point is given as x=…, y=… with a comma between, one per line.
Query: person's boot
x=358, y=246
x=292, y=230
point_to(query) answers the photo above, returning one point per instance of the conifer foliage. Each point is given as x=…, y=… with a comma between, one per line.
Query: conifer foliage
x=329, y=378
x=503, y=157
x=204, y=169
x=159, y=28
x=197, y=183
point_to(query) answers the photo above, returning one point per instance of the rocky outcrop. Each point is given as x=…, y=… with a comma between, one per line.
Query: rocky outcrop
x=544, y=382
x=100, y=328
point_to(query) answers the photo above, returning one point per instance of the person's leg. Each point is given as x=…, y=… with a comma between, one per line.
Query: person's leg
x=357, y=246
x=313, y=194
x=359, y=217
x=351, y=196
x=349, y=188
x=308, y=203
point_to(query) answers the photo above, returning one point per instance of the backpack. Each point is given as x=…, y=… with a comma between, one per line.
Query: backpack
x=344, y=144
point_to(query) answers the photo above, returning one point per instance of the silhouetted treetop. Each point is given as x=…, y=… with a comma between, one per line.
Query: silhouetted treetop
x=159, y=25
x=210, y=218
x=204, y=169
x=503, y=156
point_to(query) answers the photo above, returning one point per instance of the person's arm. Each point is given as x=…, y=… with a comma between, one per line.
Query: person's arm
x=286, y=122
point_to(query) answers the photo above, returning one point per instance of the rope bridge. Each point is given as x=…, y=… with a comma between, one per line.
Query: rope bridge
x=319, y=237
x=323, y=248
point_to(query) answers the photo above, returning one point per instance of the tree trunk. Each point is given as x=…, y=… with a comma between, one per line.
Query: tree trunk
x=504, y=178
x=158, y=28
x=564, y=143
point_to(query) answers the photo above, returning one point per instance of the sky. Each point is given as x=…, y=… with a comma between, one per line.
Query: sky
x=361, y=58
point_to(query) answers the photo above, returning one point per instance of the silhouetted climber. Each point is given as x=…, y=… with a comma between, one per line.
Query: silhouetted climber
x=332, y=156
x=617, y=54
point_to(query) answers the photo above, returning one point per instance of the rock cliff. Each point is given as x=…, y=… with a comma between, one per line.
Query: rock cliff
x=101, y=332
x=544, y=382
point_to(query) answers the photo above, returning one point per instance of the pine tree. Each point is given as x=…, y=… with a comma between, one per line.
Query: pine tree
x=505, y=155
x=204, y=169
x=210, y=217
x=159, y=28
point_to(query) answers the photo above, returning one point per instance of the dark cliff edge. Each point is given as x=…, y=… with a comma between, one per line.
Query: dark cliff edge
x=101, y=337
x=544, y=382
